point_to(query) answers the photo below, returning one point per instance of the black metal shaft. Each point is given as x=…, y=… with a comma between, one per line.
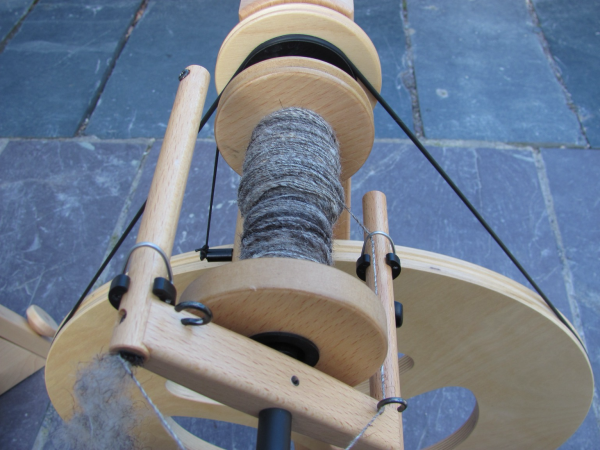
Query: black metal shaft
x=274, y=429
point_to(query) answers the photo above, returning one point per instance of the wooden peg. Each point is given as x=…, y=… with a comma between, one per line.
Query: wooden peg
x=159, y=222
x=386, y=382
x=40, y=321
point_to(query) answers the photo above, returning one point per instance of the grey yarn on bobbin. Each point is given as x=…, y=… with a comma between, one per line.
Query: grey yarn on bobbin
x=290, y=194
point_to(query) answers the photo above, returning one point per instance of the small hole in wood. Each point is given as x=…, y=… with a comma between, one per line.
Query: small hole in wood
x=123, y=315
x=295, y=380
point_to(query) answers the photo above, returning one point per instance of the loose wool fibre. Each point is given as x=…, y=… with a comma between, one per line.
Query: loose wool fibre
x=104, y=416
x=290, y=194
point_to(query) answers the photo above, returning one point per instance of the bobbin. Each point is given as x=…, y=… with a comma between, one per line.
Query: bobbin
x=296, y=81
x=301, y=82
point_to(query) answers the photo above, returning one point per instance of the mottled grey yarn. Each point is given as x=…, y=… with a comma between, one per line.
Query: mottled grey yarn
x=290, y=194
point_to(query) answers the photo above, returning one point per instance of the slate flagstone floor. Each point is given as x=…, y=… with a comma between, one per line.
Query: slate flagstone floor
x=504, y=92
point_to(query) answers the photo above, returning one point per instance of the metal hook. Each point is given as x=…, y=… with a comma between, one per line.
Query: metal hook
x=370, y=236
x=390, y=400
x=205, y=310
x=154, y=247
x=364, y=260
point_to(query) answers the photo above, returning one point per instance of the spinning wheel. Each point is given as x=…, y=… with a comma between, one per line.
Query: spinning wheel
x=466, y=326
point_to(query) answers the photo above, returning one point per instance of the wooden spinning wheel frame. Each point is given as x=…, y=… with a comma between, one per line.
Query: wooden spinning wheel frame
x=466, y=326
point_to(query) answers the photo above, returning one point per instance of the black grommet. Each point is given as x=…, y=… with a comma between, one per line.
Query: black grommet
x=393, y=261
x=362, y=263
x=164, y=290
x=118, y=287
x=184, y=74
x=290, y=344
x=205, y=310
x=399, y=313
x=390, y=400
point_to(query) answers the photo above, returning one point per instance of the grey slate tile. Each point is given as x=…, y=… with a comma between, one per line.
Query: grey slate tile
x=11, y=11
x=191, y=232
x=482, y=74
x=434, y=415
x=424, y=213
x=22, y=410
x=382, y=21
x=575, y=186
x=59, y=203
x=51, y=69
x=139, y=96
x=573, y=34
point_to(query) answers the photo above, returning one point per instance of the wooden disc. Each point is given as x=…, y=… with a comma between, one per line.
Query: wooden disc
x=41, y=322
x=336, y=312
x=464, y=326
x=297, y=18
x=302, y=82
x=248, y=7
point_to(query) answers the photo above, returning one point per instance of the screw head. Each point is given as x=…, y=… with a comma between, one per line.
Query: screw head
x=295, y=380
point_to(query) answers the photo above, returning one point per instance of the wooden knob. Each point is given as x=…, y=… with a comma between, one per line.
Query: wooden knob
x=41, y=322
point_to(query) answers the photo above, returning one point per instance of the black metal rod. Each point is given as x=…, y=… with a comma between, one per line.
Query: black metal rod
x=274, y=429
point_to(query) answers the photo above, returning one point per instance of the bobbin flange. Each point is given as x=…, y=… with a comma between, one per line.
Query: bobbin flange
x=297, y=18
x=336, y=312
x=308, y=83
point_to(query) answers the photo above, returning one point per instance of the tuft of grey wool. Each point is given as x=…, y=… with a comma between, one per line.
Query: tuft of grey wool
x=105, y=415
x=290, y=194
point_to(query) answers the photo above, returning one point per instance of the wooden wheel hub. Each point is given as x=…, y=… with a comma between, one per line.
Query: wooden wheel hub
x=336, y=312
x=308, y=83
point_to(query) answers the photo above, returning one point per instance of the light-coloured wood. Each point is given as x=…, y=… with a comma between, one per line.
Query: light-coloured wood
x=464, y=326
x=385, y=382
x=302, y=82
x=297, y=18
x=15, y=329
x=250, y=377
x=41, y=322
x=248, y=7
x=237, y=241
x=341, y=229
x=336, y=312
x=161, y=215
x=16, y=364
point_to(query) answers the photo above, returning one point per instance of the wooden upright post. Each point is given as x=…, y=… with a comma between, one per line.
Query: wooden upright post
x=161, y=215
x=386, y=382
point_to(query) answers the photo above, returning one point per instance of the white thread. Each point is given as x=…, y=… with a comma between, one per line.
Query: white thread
x=355, y=440
x=151, y=403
